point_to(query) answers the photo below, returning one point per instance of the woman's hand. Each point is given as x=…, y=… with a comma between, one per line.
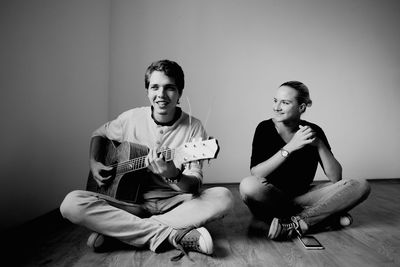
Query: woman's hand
x=304, y=136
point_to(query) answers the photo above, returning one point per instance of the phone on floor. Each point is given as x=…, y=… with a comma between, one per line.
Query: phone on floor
x=310, y=242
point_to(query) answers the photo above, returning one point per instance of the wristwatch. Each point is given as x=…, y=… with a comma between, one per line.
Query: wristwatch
x=176, y=179
x=284, y=153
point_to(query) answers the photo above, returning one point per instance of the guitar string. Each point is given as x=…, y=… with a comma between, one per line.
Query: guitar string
x=190, y=117
x=209, y=113
x=138, y=163
x=139, y=160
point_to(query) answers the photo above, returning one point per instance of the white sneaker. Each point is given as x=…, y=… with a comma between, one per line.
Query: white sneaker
x=198, y=240
x=95, y=240
x=345, y=220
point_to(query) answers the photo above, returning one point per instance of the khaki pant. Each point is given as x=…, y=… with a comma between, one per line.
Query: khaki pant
x=121, y=220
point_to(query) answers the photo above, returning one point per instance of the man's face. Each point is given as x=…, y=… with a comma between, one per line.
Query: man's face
x=285, y=106
x=163, y=95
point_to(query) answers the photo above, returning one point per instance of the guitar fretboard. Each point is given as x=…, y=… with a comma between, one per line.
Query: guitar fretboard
x=140, y=162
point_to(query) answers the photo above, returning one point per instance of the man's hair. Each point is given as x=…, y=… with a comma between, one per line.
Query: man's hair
x=169, y=68
x=303, y=94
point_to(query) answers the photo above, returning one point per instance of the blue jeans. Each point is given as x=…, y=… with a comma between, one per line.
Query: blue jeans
x=320, y=202
x=128, y=223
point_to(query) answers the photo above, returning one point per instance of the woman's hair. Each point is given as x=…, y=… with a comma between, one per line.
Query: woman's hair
x=303, y=94
x=170, y=68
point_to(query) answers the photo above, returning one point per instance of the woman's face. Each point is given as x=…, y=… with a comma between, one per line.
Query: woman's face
x=285, y=106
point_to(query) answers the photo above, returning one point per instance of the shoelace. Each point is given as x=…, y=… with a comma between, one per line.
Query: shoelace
x=295, y=220
x=293, y=225
x=189, y=243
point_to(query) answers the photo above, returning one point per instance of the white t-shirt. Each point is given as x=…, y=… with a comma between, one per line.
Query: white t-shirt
x=137, y=126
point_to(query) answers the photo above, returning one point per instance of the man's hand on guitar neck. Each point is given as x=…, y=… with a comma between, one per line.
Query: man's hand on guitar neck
x=98, y=169
x=156, y=163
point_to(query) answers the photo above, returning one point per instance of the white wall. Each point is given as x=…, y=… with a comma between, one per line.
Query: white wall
x=236, y=53
x=67, y=66
x=53, y=80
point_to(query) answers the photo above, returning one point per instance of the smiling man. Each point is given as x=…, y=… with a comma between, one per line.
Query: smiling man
x=163, y=94
x=170, y=209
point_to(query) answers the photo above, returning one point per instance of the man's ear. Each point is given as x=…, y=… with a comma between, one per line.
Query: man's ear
x=179, y=98
x=302, y=107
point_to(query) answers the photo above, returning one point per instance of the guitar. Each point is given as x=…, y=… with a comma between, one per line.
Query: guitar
x=129, y=167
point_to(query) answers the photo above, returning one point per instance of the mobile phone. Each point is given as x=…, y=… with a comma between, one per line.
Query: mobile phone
x=310, y=242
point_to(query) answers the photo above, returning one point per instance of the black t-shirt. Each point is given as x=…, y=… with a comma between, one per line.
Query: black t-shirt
x=297, y=172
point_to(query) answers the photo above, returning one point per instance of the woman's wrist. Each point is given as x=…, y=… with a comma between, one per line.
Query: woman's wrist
x=284, y=153
x=288, y=148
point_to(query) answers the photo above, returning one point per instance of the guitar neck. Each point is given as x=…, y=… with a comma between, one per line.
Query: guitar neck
x=140, y=162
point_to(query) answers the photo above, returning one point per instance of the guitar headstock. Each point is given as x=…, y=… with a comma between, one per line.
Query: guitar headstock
x=194, y=151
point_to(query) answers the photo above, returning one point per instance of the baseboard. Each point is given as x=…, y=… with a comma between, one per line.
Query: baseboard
x=44, y=224
x=384, y=180
x=220, y=184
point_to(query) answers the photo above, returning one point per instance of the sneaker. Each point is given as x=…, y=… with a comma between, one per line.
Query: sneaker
x=96, y=241
x=198, y=240
x=281, y=231
x=345, y=220
x=338, y=222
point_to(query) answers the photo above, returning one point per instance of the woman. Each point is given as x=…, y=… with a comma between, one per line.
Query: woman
x=286, y=151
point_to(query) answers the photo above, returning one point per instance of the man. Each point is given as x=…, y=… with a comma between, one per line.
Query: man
x=171, y=194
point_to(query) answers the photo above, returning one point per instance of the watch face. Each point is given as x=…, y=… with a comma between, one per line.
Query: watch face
x=284, y=153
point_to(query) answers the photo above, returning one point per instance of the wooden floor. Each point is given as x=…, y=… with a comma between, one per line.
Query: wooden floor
x=372, y=240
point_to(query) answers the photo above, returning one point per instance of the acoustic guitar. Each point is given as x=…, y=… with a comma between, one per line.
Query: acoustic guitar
x=129, y=167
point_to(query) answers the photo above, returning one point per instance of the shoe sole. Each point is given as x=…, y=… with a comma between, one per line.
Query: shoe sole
x=208, y=243
x=346, y=220
x=95, y=240
x=273, y=229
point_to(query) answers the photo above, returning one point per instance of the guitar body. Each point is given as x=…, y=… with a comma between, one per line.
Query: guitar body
x=129, y=168
x=125, y=187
